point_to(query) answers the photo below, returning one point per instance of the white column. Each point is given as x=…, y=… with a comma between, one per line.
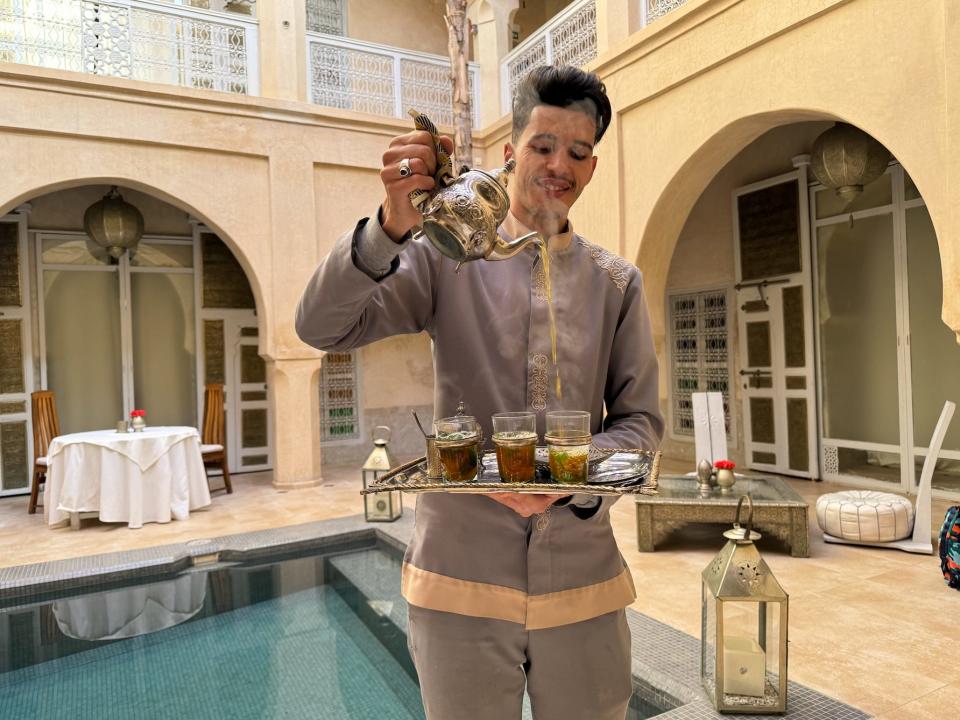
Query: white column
x=283, y=51
x=616, y=20
x=491, y=42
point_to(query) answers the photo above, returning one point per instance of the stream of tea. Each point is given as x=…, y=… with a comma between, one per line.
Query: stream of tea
x=545, y=262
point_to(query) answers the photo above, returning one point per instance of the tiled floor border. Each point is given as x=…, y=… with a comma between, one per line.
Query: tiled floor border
x=665, y=660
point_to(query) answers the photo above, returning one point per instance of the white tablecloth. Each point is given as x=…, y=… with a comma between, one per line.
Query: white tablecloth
x=134, y=478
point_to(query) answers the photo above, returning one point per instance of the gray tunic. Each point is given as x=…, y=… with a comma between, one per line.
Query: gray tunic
x=491, y=349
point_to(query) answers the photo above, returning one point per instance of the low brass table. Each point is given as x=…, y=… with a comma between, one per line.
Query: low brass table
x=777, y=510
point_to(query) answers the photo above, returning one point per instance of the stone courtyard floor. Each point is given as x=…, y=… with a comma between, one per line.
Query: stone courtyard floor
x=873, y=628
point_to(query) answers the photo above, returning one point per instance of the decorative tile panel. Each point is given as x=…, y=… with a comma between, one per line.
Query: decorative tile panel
x=339, y=397
x=698, y=353
x=213, y=352
x=11, y=357
x=10, y=287
x=224, y=284
x=14, y=463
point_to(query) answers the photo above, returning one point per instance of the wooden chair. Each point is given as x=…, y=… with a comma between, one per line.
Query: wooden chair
x=213, y=434
x=46, y=427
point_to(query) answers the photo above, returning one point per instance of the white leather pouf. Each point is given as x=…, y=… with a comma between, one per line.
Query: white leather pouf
x=865, y=515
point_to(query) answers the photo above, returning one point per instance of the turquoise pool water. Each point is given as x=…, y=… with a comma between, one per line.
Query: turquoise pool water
x=314, y=637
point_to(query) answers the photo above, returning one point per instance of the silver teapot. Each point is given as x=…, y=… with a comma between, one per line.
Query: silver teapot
x=461, y=219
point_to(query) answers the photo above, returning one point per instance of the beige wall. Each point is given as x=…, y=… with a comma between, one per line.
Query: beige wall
x=409, y=24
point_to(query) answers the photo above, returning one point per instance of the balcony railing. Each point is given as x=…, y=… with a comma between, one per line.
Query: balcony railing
x=381, y=80
x=569, y=38
x=138, y=39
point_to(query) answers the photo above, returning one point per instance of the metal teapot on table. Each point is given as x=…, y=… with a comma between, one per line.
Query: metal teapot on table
x=461, y=217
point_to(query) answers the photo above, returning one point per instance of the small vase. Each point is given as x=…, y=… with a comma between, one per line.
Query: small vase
x=138, y=424
x=725, y=480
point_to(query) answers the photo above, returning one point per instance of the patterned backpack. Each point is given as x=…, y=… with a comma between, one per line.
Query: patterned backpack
x=950, y=547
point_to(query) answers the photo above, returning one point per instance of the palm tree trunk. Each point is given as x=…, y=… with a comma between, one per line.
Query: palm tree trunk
x=457, y=43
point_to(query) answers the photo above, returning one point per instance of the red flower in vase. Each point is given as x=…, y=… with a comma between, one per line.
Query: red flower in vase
x=138, y=413
x=724, y=465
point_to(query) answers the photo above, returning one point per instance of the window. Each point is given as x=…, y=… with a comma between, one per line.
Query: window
x=326, y=16
x=699, y=359
x=339, y=412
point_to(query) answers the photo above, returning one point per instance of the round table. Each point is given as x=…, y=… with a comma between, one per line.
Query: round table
x=151, y=476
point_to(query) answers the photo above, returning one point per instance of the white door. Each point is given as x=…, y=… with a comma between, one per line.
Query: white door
x=248, y=406
x=16, y=359
x=775, y=326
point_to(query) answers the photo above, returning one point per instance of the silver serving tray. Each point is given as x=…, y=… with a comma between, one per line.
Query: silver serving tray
x=612, y=472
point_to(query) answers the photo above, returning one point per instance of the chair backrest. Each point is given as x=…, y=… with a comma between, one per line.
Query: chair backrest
x=709, y=426
x=214, y=430
x=46, y=426
x=921, y=510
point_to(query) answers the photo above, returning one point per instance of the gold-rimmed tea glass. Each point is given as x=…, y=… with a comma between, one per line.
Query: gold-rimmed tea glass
x=568, y=445
x=458, y=445
x=515, y=438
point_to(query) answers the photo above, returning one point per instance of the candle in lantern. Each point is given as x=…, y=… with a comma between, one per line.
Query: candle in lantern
x=743, y=666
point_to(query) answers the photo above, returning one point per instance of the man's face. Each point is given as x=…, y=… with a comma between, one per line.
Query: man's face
x=555, y=162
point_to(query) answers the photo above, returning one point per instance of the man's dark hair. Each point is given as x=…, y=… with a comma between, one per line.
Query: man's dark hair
x=563, y=87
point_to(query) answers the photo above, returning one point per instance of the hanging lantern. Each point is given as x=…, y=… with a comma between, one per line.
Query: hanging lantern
x=743, y=627
x=114, y=224
x=846, y=158
x=380, y=507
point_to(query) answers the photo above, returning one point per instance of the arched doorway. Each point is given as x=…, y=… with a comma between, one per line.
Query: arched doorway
x=144, y=331
x=834, y=365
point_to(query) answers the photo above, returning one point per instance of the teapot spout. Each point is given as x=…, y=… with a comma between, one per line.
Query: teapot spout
x=504, y=249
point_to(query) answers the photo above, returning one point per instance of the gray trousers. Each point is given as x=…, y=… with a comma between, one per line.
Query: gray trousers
x=476, y=668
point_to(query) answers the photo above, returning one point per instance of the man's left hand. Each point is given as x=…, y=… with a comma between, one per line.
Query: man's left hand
x=525, y=504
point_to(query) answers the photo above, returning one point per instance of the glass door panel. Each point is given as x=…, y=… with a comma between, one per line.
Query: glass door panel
x=164, y=347
x=858, y=346
x=934, y=352
x=858, y=331
x=83, y=347
x=254, y=422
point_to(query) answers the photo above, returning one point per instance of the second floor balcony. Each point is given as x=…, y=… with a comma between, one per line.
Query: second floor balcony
x=137, y=39
x=352, y=62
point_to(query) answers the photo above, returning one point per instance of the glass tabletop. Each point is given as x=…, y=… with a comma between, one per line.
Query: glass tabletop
x=761, y=489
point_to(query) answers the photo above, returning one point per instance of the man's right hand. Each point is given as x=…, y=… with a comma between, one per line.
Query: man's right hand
x=399, y=214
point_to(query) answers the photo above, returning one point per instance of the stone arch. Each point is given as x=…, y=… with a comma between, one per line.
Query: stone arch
x=724, y=141
x=168, y=197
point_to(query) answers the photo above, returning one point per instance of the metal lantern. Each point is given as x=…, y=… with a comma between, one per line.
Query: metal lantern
x=743, y=627
x=846, y=158
x=114, y=224
x=380, y=507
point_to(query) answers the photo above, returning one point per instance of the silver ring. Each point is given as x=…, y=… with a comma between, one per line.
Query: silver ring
x=405, y=170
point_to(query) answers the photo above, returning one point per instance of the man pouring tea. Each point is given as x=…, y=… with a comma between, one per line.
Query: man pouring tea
x=510, y=591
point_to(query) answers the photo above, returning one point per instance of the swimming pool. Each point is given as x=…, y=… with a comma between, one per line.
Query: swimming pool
x=319, y=636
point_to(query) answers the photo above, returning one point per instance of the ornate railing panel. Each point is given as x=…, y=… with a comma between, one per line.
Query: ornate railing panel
x=570, y=38
x=365, y=77
x=327, y=16
x=653, y=9
x=137, y=39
